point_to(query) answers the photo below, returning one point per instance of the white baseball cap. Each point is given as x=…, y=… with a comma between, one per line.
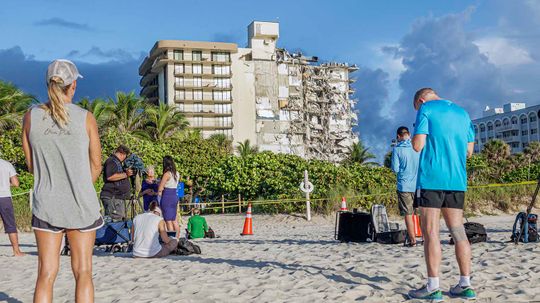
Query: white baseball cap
x=64, y=69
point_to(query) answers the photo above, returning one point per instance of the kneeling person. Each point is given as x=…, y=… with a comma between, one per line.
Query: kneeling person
x=148, y=228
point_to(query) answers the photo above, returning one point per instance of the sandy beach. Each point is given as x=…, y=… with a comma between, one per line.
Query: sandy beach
x=287, y=260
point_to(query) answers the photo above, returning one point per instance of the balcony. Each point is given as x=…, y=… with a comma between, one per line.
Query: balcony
x=203, y=75
x=191, y=101
x=204, y=86
x=512, y=139
x=503, y=128
x=206, y=114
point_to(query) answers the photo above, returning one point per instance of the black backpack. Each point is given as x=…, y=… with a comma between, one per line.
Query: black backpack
x=210, y=233
x=186, y=247
x=476, y=232
x=530, y=233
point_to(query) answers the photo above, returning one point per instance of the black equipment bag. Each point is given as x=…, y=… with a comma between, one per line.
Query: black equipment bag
x=391, y=237
x=186, y=247
x=475, y=232
x=210, y=233
x=353, y=227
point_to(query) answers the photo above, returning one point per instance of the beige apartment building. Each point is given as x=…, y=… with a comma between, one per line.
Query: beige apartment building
x=280, y=101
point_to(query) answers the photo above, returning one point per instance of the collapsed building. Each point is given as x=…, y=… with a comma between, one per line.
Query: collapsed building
x=281, y=101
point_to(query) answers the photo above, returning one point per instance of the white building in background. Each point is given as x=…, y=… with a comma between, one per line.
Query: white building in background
x=280, y=101
x=514, y=123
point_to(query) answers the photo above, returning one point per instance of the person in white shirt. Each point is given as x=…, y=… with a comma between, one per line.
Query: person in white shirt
x=8, y=178
x=147, y=229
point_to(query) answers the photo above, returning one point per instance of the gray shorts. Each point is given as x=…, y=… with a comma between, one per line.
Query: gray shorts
x=8, y=215
x=405, y=203
x=39, y=224
x=167, y=249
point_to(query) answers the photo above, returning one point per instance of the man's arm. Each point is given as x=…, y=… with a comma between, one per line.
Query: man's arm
x=395, y=161
x=14, y=181
x=470, y=149
x=163, y=232
x=418, y=142
x=205, y=225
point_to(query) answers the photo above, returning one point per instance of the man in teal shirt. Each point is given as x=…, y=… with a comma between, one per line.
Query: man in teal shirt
x=197, y=226
x=444, y=134
x=405, y=165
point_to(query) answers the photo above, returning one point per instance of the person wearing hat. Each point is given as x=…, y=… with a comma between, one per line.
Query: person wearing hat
x=62, y=149
x=148, y=228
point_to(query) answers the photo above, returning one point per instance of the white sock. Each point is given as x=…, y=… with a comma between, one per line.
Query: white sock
x=432, y=283
x=464, y=281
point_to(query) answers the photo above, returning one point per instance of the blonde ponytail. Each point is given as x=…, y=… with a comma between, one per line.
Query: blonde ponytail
x=57, y=95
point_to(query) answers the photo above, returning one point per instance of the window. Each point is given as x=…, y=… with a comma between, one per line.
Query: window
x=196, y=56
x=514, y=120
x=514, y=144
x=197, y=94
x=523, y=120
x=534, y=131
x=524, y=132
x=197, y=68
x=221, y=57
x=532, y=118
x=483, y=140
x=197, y=121
x=180, y=95
x=178, y=55
x=180, y=107
x=506, y=122
x=197, y=81
x=197, y=107
x=221, y=70
x=179, y=68
x=524, y=144
x=179, y=81
x=515, y=133
x=498, y=123
x=221, y=95
x=222, y=108
x=222, y=82
x=482, y=128
x=476, y=129
x=490, y=126
x=225, y=121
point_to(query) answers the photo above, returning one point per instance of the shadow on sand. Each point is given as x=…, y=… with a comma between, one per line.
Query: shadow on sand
x=7, y=298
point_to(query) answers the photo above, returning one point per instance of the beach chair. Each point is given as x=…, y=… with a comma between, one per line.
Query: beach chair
x=385, y=232
x=116, y=236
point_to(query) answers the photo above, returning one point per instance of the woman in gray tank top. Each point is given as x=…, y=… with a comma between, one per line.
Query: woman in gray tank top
x=62, y=149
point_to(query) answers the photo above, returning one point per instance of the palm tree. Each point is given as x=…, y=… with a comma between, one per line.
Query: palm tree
x=360, y=154
x=497, y=154
x=222, y=141
x=163, y=122
x=533, y=151
x=98, y=107
x=245, y=149
x=496, y=151
x=126, y=112
x=388, y=159
x=13, y=104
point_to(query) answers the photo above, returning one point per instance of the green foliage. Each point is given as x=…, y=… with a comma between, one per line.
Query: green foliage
x=388, y=159
x=245, y=149
x=13, y=105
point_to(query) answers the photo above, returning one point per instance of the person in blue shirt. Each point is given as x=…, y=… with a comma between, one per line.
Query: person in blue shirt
x=405, y=165
x=444, y=134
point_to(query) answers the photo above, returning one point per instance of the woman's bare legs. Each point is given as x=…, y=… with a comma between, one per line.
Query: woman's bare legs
x=82, y=247
x=49, y=245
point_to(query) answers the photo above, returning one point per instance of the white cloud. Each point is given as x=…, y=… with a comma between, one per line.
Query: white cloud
x=502, y=52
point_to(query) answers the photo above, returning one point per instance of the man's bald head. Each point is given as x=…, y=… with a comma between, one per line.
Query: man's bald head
x=423, y=95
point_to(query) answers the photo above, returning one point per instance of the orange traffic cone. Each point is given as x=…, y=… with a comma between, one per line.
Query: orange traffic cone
x=417, y=228
x=343, y=204
x=248, y=228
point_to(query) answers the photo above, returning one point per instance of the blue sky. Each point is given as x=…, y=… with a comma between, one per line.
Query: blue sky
x=477, y=53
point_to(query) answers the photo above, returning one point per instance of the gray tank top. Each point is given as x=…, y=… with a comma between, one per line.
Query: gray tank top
x=64, y=195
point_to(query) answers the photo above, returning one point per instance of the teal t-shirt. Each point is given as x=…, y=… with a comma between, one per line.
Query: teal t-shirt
x=444, y=157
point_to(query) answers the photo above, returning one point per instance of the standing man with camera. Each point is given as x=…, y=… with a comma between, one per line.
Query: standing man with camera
x=116, y=189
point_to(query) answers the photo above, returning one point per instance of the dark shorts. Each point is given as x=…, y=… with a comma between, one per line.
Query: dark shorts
x=44, y=226
x=8, y=215
x=114, y=208
x=441, y=199
x=405, y=203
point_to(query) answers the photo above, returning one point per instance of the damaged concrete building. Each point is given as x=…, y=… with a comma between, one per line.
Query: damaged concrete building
x=280, y=101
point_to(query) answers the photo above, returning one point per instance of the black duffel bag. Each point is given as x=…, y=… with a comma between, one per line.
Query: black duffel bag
x=476, y=233
x=391, y=237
